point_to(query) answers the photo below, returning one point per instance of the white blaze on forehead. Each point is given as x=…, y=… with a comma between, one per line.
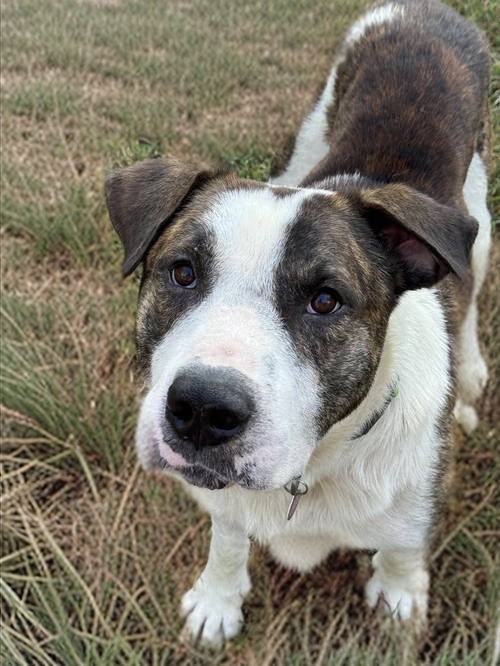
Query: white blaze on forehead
x=237, y=324
x=250, y=230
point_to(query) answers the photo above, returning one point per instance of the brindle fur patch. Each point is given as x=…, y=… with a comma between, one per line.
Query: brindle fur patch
x=410, y=102
x=330, y=245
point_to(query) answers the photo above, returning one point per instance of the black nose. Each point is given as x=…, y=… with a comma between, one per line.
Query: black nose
x=208, y=405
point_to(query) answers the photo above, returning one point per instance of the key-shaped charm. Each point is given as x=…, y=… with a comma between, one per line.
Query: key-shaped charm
x=296, y=488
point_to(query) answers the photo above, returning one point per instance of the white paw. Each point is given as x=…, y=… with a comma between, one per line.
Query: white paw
x=466, y=416
x=403, y=599
x=472, y=378
x=212, y=615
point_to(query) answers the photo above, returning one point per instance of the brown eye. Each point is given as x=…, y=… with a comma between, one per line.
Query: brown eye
x=183, y=276
x=324, y=302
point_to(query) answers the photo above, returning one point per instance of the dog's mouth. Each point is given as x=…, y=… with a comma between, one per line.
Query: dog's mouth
x=205, y=478
x=212, y=479
x=200, y=476
x=207, y=468
x=213, y=468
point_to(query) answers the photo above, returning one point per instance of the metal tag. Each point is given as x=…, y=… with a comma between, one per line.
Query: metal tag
x=296, y=488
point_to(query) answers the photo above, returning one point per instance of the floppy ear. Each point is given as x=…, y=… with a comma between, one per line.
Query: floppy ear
x=426, y=238
x=143, y=196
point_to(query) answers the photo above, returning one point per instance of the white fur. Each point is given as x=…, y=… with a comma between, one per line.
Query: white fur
x=376, y=16
x=401, y=582
x=213, y=605
x=472, y=370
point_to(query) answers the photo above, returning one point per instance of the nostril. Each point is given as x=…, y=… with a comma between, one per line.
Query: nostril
x=181, y=416
x=223, y=419
x=181, y=410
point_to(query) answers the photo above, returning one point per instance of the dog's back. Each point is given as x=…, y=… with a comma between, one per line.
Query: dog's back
x=409, y=102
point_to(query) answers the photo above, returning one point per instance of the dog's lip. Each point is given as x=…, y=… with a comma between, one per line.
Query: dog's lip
x=194, y=473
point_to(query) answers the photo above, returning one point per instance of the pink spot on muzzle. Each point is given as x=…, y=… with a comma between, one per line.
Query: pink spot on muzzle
x=173, y=459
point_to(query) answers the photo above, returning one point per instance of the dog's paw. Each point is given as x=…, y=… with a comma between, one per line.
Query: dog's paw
x=212, y=616
x=472, y=377
x=466, y=416
x=403, y=599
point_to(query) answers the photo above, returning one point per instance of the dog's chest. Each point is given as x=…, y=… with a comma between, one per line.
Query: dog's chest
x=316, y=514
x=341, y=511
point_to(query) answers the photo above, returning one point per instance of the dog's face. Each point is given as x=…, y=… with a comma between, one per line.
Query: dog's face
x=260, y=324
x=263, y=310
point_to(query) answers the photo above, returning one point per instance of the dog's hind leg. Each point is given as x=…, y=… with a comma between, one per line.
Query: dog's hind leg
x=213, y=606
x=472, y=372
x=401, y=582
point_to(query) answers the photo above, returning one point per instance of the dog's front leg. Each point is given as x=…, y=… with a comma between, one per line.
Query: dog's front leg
x=401, y=581
x=213, y=605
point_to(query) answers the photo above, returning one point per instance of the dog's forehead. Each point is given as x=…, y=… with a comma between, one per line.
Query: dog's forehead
x=250, y=227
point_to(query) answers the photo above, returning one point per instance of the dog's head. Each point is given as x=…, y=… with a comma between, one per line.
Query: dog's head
x=263, y=310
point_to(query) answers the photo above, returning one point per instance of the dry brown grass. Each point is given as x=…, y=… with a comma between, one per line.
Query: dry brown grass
x=95, y=554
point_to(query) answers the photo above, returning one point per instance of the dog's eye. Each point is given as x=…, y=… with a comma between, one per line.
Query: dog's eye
x=325, y=301
x=183, y=275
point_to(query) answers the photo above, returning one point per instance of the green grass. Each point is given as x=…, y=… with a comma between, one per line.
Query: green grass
x=95, y=554
x=75, y=390
x=68, y=230
x=40, y=101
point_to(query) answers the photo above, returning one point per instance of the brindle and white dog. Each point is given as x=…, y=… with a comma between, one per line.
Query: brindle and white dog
x=315, y=331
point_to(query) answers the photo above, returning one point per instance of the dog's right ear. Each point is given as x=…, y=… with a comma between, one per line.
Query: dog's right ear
x=141, y=198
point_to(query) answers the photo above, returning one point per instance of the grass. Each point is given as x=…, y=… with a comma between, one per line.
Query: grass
x=95, y=554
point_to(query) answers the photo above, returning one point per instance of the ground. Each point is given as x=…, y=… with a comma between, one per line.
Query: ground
x=96, y=554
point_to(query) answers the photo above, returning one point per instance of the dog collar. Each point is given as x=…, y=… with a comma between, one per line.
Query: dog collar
x=377, y=414
x=296, y=487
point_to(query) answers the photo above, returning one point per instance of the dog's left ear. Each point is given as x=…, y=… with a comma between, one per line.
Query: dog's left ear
x=143, y=197
x=426, y=238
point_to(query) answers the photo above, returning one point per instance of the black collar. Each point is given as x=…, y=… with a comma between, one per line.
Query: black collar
x=377, y=414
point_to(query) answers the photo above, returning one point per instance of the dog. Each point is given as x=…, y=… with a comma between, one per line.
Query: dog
x=306, y=340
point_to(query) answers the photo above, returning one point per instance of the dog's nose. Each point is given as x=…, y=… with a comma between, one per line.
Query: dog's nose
x=208, y=406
